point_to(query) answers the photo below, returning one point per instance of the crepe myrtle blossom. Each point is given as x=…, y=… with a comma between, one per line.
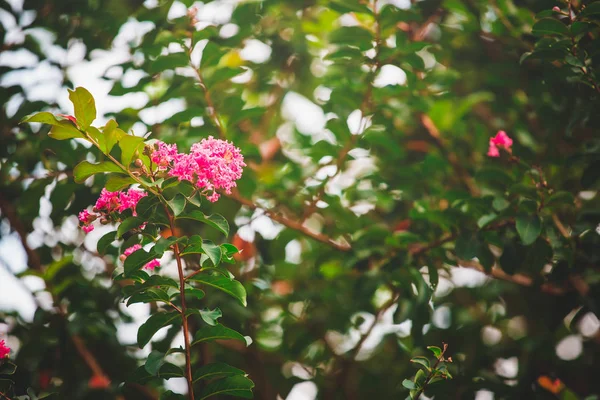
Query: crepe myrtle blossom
x=501, y=140
x=153, y=264
x=111, y=202
x=129, y=251
x=211, y=164
x=4, y=350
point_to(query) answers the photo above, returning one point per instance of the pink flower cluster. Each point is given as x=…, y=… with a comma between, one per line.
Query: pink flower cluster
x=500, y=141
x=4, y=350
x=211, y=165
x=110, y=202
x=130, y=250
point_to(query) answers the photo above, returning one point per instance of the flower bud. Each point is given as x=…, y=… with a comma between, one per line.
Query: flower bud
x=556, y=9
x=138, y=163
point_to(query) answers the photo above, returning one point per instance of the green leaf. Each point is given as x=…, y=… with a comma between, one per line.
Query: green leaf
x=210, y=316
x=352, y=36
x=529, y=228
x=229, y=286
x=560, y=198
x=148, y=296
x=550, y=26
x=169, y=370
x=217, y=332
x=177, y=204
x=112, y=134
x=466, y=246
x=589, y=10
x=169, y=61
x=137, y=260
x=65, y=130
x=128, y=224
x=237, y=385
x=214, y=370
x=197, y=293
x=420, y=377
x=424, y=361
x=154, y=323
x=437, y=352
x=216, y=221
x=85, y=169
x=114, y=183
x=129, y=145
x=43, y=117
x=194, y=246
x=7, y=367
x=85, y=107
x=105, y=241
x=154, y=361
x=409, y=384
x=212, y=251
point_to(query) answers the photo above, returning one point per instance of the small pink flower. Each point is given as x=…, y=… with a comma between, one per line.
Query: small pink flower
x=86, y=218
x=4, y=350
x=108, y=201
x=164, y=155
x=501, y=140
x=153, y=264
x=130, y=250
x=130, y=199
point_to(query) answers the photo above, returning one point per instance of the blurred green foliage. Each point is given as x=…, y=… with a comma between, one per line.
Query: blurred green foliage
x=379, y=220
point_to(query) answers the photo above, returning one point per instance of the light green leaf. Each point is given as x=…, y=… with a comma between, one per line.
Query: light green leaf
x=437, y=352
x=85, y=169
x=114, y=183
x=85, y=107
x=129, y=145
x=424, y=361
x=409, y=384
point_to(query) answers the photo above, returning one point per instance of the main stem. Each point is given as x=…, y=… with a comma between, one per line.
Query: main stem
x=186, y=329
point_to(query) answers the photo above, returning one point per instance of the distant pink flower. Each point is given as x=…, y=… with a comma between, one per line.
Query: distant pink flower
x=164, y=155
x=153, y=264
x=130, y=250
x=501, y=140
x=4, y=350
x=86, y=218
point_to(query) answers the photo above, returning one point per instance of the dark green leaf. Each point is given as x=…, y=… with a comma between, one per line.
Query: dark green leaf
x=105, y=241
x=153, y=324
x=550, y=26
x=177, y=204
x=529, y=228
x=216, y=221
x=217, y=332
x=229, y=286
x=114, y=183
x=210, y=371
x=154, y=361
x=237, y=385
x=409, y=384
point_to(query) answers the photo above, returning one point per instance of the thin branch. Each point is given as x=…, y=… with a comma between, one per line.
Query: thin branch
x=186, y=329
x=290, y=223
